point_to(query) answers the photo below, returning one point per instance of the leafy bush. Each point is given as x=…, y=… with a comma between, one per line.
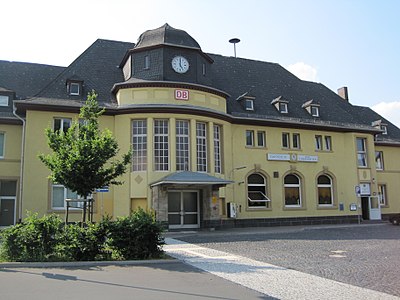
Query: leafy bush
x=35, y=239
x=137, y=236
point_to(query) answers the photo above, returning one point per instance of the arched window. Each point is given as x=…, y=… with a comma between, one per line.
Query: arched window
x=292, y=186
x=257, y=191
x=325, y=190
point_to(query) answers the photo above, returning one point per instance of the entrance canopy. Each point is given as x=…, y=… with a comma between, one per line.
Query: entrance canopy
x=191, y=178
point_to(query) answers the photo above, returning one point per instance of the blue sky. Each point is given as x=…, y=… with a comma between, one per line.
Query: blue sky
x=353, y=43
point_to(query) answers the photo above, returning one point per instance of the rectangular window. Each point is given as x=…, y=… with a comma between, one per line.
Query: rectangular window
x=201, y=145
x=285, y=140
x=182, y=145
x=147, y=62
x=384, y=128
x=61, y=124
x=161, y=145
x=283, y=108
x=217, y=149
x=204, y=69
x=249, y=104
x=139, y=145
x=328, y=143
x=74, y=88
x=314, y=111
x=379, y=160
x=59, y=194
x=296, y=141
x=3, y=100
x=250, y=138
x=318, y=142
x=2, y=144
x=361, y=152
x=261, y=138
x=382, y=194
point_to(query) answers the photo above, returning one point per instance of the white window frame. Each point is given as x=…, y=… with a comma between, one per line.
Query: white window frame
x=217, y=149
x=201, y=147
x=296, y=141
x=384, y=128
x=77, y=85
x=283, y=107
x=382, y=194
x=249, y=138
x=2, y=144
x=379, y=160
x=4, y=100
x=314, y=110
x=293, y=185
x=323, y=185
x=261, y=140
x=286, y=140
x=362, y=159
x=266, y=201
x=328, y=143
x=63, y=121
x=139, y=145
x=318, y=142
x=182, y=145
x=161, y=145
x=249, y=104
x=79, y=205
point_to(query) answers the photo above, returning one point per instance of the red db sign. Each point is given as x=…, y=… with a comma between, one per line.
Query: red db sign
x=181, y=94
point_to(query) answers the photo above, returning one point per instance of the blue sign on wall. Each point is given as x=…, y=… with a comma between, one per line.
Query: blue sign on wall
x=104, y=189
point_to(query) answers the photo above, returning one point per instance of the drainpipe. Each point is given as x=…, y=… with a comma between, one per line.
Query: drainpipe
x=21, y=175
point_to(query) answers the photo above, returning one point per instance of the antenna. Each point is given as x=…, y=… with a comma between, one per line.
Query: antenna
x=234, y=41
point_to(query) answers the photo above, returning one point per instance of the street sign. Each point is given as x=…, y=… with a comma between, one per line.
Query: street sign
x=104, y=189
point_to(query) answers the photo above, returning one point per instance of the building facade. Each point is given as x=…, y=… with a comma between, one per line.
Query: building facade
x=217, y=141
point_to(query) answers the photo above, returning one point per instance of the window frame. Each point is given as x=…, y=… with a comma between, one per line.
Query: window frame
x=71, y=92
x=182, y=141
x=139, y=145
x=324, y=185
x=283, y=107
x=384, y=128
x=7, y=100
x=2, y=144
x=296, y=144
x=286, y=140
x=298, y=186
x=249, y=138
x=318, y=143
x=379, y=165
x=146, y=63
x=65, y=192
x=255, y=187
x=362, y=153
x=217, y=129
x=249, y=104
x=161, y=144
x=382, y=194
x=314, y=110
x=62, y=122
x=201, y=147
x=328, y=141
x=261, y=138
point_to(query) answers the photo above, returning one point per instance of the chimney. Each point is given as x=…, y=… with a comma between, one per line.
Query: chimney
x=343, y=92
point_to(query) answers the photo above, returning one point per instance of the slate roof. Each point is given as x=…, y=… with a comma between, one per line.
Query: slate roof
x=190, y=178
x=26, y=79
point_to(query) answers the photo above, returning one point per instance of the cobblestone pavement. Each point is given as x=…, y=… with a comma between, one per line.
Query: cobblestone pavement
x=364, y=255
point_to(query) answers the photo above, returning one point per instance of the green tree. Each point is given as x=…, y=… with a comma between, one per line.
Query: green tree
x=82, y=156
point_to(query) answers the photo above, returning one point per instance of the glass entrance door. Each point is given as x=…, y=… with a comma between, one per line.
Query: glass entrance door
x=183, y=209
x=7, y=211
x=374, y=208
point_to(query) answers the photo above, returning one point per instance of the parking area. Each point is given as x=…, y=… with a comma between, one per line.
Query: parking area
x=367, y=256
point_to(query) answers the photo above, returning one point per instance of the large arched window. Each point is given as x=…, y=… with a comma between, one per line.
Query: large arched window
x=257, y=191
x=292, y=186
x=325, y=190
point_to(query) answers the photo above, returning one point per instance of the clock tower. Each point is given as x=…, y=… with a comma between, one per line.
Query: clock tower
x=168, y=54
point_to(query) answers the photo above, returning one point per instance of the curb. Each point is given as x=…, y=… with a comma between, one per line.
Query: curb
x=75, y=264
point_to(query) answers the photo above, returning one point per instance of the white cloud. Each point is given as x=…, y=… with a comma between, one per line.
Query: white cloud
x=389, y=110
x=303, y=71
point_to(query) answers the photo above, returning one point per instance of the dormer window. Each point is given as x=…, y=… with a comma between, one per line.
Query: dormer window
x=249, y=104
x=4, y=100
x=281, y=105
x=147, y=62
x=74, y=87
x=312, y=108
x=384, y=129
x=379, y=125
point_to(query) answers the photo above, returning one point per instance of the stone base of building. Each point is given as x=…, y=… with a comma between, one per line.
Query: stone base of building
x=269, y=222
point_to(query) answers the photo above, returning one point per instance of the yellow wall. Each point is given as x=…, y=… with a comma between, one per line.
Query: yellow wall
x=10, y=164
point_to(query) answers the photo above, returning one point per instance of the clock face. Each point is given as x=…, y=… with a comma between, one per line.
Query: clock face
x=180, y=64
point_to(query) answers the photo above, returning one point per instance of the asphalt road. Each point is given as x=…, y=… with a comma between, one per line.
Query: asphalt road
x=367, y=256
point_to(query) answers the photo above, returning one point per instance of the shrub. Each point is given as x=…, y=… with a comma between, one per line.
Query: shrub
x=35, y=239
x=137, y=236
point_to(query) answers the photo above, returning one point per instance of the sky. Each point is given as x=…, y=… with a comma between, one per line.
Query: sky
x=353, y=43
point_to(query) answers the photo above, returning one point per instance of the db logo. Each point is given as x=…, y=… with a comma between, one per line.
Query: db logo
x=181, y=94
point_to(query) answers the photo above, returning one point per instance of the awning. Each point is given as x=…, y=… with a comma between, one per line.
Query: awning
x=191, y=178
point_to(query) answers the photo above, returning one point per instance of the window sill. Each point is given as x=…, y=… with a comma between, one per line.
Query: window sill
x=327, y=207
x=294, y=208
x=251, y=209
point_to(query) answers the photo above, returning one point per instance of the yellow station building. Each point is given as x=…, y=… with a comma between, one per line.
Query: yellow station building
x=217, y=141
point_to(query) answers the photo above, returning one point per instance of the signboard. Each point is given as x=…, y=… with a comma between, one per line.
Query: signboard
x=104, y=189
x=365, y=189
x=182, y=95
x=292, y=157
x=307, y=158
x=280, y=157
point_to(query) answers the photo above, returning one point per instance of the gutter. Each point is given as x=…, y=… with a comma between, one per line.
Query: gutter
x=21, y=175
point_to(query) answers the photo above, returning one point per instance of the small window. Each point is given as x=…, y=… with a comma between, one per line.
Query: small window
x=204, y=69
x=296, y=141
x=318, y=142
x=379, y=160
x=314, y=111
x=285, y=140
x=61, y=124
x=292, y=191
x=59, y=194
x=4, y=100
x=250, y=138
x=325, y=191
x=256, y=192
x=384, y=129
x=147, y=62
x=382, y=194
x=2, y=144
x=283, y=107
x=74, y=88
x=361, y=152
x=328, y=143
x=261, y=138
x=249, y=104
